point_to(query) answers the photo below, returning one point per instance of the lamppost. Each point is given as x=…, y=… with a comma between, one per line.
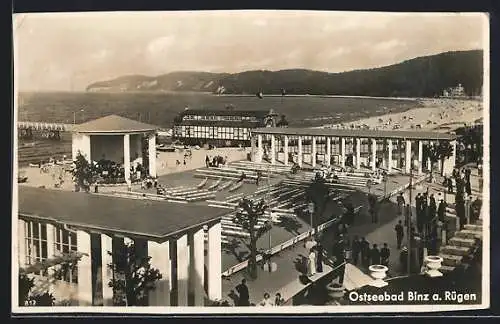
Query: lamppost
x=408, y=229
x=384, y=179
x=310, y=209
x=74, y=115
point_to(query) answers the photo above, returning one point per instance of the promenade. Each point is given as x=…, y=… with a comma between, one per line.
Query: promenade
x=288, y=279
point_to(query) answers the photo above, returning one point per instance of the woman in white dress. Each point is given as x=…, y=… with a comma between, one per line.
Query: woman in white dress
x=311, y=264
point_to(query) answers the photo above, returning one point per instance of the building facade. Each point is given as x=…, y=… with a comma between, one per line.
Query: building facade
x=93, y=226
x=371, y=148
x=220, y=127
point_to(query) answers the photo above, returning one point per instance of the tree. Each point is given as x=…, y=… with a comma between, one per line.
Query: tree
x=133, y=276
x=282, y=122
x=439, y=152
x=84, y=173
x=26, y=284
x=318, y=192
x=247, y=216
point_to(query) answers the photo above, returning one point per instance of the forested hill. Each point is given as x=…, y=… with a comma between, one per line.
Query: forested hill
x=420, y=77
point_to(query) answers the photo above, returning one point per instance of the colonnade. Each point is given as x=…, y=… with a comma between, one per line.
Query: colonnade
x=185, y=270
x=257, y=151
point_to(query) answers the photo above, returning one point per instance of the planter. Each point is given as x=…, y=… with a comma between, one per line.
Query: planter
x=378, y=272
x=433, y=264
x=335, y=290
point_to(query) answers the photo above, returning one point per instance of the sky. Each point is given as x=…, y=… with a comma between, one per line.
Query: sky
x=68, y=51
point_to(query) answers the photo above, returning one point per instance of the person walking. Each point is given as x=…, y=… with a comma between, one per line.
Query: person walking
x=401, y=203
x=311, y=266
x=356, y=249
x=441, y=210
x=244, y=296
x=319, y=257
x=365, y=252
x=400, y=233
x=384, y=255
x=374, y=255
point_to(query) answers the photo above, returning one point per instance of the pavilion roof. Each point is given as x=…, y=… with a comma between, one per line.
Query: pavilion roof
x=361, y=133
x=113, y=124
x=121, y=216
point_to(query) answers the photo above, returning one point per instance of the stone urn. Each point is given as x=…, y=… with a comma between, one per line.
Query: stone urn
x=378, y=272
x=335, y=290
x=433, y=263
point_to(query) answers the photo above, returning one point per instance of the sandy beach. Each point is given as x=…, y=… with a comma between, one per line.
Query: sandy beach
x=433, y=114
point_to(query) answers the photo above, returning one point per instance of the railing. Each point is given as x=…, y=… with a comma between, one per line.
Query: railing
x=44, y=126
x=281, y=247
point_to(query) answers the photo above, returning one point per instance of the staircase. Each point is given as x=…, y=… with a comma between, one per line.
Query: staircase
x=459, y=246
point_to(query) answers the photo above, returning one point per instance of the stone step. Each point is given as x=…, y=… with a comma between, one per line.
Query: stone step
x=473, y=227
x=468, y=234
x=457, y=241
x=455, y=250
x=451, y=260
x=445, y=268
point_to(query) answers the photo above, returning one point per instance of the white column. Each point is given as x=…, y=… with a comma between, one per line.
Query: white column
x=51, y=232
x=84, y=269
x=328, y=150
x=197, y=266
x=342, y=152
x=273, y=149
x=182, y=270
x=285, y=150
x=252, y=148
x=160, y=259
x=75, y=145
x=374, y=153
x=358, y=153
x=152, y=154
x=126, y=156
x=449, y=163
x=21, y=249
x=214, y=262
x=389, y=158
x=85, y=146
x=299, y=157
x=407, y=156
x=313, y=152
x=106, y=271
x=420, y=157
x=260, y=150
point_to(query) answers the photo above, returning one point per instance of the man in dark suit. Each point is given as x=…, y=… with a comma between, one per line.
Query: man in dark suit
x=365, y=252
x=242, y=289
x=356, y=250
x=400, y=233
x=441, y=210
x=384, y=255
x=375, y=255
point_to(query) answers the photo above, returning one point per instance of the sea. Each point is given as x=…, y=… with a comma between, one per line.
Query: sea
x=161, y=108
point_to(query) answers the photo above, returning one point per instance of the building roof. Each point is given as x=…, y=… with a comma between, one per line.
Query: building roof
x=145, y=218
x=361, y=133
x=113, y=124
x=222, y=123
x=225, y=112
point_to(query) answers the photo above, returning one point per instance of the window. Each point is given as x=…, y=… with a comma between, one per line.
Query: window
x=65, y=242
x=35, y=243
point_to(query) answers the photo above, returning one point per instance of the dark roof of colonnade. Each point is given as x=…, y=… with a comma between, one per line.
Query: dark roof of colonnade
x=361, y=133
x=114, y=124
x=123, y=216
